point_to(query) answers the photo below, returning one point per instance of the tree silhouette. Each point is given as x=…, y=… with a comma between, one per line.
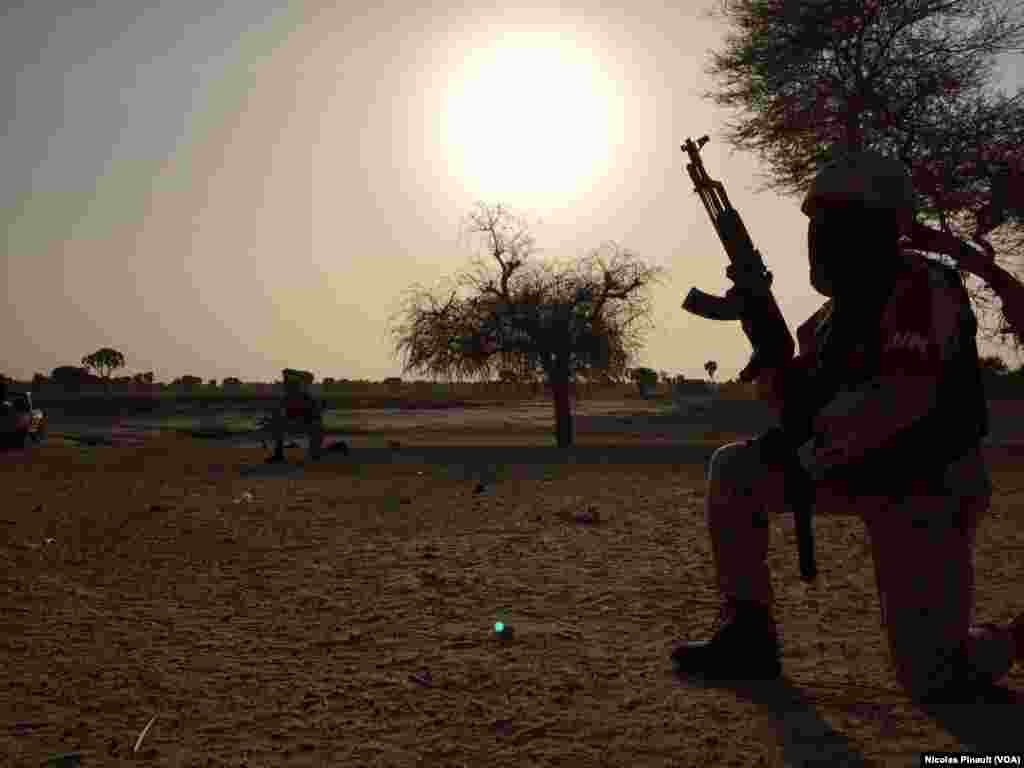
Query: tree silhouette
x=711, y=366
x=908, y=78
x=104, y=361
x=70, y=378
x=646, y=379
x=558, y=320
x=187, y=383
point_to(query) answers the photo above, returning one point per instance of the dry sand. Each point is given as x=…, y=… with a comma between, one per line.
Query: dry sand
x=344, y=616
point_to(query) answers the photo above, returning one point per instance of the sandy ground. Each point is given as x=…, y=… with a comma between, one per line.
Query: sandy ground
x=342, y=615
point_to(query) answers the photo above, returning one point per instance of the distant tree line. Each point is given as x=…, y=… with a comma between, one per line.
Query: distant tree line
x=1000, y=381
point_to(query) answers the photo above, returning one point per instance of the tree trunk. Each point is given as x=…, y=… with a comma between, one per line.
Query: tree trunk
x=854, y=136
x=564, y=428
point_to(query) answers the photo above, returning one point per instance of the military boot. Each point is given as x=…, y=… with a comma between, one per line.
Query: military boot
x=965, y=685
x=745, y=647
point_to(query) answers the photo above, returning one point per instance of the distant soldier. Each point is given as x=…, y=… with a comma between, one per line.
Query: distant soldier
x=300, y=411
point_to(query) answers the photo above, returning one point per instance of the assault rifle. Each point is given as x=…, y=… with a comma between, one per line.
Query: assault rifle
x=750, y=301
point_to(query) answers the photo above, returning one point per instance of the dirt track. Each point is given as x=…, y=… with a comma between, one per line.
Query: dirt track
x=298, y=628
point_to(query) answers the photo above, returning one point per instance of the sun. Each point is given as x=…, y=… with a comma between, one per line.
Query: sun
x=529, y=124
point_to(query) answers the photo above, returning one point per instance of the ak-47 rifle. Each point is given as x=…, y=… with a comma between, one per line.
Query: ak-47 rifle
x=750, y=301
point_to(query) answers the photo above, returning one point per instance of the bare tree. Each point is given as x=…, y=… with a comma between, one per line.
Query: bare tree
x=537, y=318
x=711, y=366
x=909, y=78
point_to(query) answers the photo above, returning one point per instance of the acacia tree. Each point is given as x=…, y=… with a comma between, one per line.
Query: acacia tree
x=537, y=318
x=104, y=361
x=909, y=78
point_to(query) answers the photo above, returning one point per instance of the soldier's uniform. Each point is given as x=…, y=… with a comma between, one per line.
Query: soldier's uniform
x=921, y=493
x=299, y=411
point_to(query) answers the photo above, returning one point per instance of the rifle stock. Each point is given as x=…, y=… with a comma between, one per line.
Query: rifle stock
x=750, y=301
x=712, y=307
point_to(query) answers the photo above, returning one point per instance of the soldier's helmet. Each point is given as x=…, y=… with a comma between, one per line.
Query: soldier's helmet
x=867, y=179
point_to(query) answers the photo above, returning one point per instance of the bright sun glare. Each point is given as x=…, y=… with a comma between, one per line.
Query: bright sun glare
x=529, y=124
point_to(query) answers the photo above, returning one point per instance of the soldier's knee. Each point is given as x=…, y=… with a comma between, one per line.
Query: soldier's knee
x=732, y=463
x=736, y=477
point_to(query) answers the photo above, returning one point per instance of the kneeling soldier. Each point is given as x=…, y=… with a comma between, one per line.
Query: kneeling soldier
x=889, y=367
x=301, y=411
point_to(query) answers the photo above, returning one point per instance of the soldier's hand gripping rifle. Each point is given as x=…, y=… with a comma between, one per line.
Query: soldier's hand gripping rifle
x=750, y=301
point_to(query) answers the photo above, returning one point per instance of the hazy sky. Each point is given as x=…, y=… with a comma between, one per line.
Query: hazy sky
x=233, y=191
